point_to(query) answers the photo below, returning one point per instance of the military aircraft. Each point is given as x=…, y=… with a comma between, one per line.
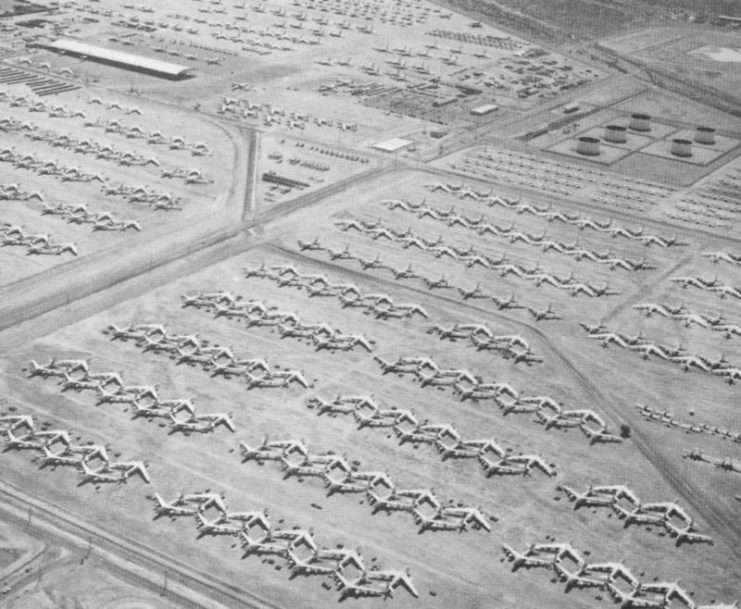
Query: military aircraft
x=546, y=314
x=99, y=476
x=171, y=509
x=188, y=426
x=352, y=589
x=215, y=528
x=507, y=303
x=475, y=292
x=261, y=546
x=527, y=357
x=310, y=566
x=670, y=592
x=16, y=421
x=26, y=442
x=697, y=282
x=392, y=579
x=313, y=245
x=613, y=571
x=589, y=498
x=44, y=371
x=470, y=516
x=716, y=257
x=52, y=250
x=248, y=518
x=525, y=559
x=725, y=290
x=54, y=460
x=131, y=468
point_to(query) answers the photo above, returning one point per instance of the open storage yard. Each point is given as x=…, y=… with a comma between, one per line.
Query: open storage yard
x=311, y=302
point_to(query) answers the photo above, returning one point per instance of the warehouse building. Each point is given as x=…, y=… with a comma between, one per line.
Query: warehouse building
x=120, y=59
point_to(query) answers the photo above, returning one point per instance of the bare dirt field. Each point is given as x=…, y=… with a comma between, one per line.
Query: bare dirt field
x=249, y=360
x=76, y=585
x=454, y=567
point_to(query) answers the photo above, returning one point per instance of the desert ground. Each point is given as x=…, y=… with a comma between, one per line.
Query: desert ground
x=254, y=355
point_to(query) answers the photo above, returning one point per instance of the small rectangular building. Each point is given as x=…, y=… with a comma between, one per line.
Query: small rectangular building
x=439, y=103
x=120, y=59
x=393, y=145
x=484, y=110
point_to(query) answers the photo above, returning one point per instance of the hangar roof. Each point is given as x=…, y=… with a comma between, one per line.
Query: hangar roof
x=78, y=47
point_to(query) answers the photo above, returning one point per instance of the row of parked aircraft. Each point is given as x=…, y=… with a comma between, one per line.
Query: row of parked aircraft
x=156, y=137
x=56, y=448
x=444, y=437
x=303, y=554
x=716, y=323
x=255, y=313
x=480, y=336
x=470, y=257
x=708, y=285
x=621, y=500
x=92, y=147
x=14, y=192
x=339, y=476
x=484, y=226
x=189, y=176
x=380, y=305
x=179, y=414
x=218, y=360
x=719, y=256
x=548, y=213
x=408, y=272
x=39, y=166
x=32, y=104
x=81, y=214
x=156, y=199
x=552, y=414
x=242, y=108
x=176, y=52
x=35, y=244
x=176, y=142
x=114, y=106
x=612, y=577
x=724, y=463
x=44, y=65
x=677, y=355
x=468, y=386
x=666, y=418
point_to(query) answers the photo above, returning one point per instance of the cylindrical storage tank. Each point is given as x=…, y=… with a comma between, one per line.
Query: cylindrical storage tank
x=588, y=146
x=681, y=147
x=705, y=135
x=615, y=134
x=640, y=122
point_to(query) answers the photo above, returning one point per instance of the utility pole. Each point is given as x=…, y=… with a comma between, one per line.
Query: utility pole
x=164, y=586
